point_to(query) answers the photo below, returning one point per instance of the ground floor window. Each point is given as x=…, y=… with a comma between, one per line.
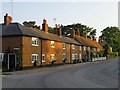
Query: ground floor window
x=64, y=56
x=84, y=48
x=73, y=56
x=52, y=57
x=34, y=57
x=43, y=57
x=80, y=56
x=1, y=56
x=76, y=57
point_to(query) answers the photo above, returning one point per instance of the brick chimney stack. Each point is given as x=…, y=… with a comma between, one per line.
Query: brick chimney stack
x=45, y=26
x=85, y=34
x=57, y=30
x=77, y=32
x=73, y=33
x=94, y=38
x=7, y=19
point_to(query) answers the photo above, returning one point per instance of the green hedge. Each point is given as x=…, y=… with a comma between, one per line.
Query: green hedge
x=114, y=54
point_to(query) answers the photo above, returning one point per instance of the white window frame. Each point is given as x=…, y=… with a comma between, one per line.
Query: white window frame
x=35, y=41
x=52, y=55
x=76, y=56
x=80, y=56
x=64, y=56
x=64, y=45
x=73, y=56
x=88, y=48
x=52, y=43
x=73, y=46
x=84, y=47
x=1, y=56
x=34, y=57
x=94, y=49
x=80, y=47
x=43, y=59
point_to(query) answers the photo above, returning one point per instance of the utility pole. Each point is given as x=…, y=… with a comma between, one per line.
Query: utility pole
x=12, y=8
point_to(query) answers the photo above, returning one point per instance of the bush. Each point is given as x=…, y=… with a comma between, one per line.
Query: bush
x=75, y=61
x=113, y=54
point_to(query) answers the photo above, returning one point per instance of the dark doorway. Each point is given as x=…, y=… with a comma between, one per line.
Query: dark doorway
x=11, y=61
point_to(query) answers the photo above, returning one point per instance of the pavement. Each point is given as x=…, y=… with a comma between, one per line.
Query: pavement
x=101, y=74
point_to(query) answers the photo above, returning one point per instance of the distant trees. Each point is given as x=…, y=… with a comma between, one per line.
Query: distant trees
x=51, y=30
x=111, y=37
x=66, y=30
x=32, y=24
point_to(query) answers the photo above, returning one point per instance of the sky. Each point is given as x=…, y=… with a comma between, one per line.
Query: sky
x=98, y=15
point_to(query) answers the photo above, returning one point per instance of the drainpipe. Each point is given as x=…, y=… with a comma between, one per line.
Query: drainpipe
x=41, y=52
x=70, y=54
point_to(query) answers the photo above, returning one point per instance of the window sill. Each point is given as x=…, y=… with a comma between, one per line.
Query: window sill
x=52, y=47
x=43, y=61
x=34, y=45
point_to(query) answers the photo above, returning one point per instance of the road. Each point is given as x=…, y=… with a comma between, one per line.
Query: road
x=102, y=74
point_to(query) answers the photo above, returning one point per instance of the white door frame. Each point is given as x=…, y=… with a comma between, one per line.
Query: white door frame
x=9, y=60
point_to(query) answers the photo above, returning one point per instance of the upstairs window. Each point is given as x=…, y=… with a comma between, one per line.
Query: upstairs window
x=52, y=44
x=80, y=47
x=73, y=46
x=34, y=41
x=64, y=46
x=88, y=48
x=84, y=48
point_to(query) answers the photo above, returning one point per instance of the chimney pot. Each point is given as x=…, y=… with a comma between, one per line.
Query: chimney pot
x=45, y=26
x=7, y=19
x=85, y=34
x=77, y=32
x=57, y=30
x=44, y=21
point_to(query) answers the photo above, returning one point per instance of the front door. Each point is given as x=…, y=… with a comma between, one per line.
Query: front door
x=11, y=61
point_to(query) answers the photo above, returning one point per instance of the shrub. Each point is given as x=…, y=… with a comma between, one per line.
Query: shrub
x=113, y=54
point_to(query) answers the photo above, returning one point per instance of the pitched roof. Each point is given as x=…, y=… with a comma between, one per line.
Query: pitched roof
x=16, y=29
x=69, y=40
x=84, y=41
x=88, y=42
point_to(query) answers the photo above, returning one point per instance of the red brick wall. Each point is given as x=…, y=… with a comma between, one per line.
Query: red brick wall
x=48, y=50
x=67, y=52
x=8, y=43
x=28, y=50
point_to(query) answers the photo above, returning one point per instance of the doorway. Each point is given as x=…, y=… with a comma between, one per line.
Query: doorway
x=11, y=61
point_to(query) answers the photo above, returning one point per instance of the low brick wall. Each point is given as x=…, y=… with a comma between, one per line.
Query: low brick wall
x=98, y=59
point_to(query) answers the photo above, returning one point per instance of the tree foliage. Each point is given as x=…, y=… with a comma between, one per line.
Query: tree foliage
x=67, y=30
x=31, y=24
x=51, y=30
x=112, y=36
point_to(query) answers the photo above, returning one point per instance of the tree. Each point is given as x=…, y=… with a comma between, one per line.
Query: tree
x=112, y=36
x=93, y=32
x=31, y=24
x=67, y=30
x=51, y=30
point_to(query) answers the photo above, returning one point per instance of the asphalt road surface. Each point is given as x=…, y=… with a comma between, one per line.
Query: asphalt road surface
x=102, y=74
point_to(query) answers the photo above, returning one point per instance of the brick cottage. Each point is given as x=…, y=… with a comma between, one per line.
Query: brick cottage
x=27, y=47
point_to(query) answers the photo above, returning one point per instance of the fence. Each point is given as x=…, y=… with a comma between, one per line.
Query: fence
x=98, y=59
